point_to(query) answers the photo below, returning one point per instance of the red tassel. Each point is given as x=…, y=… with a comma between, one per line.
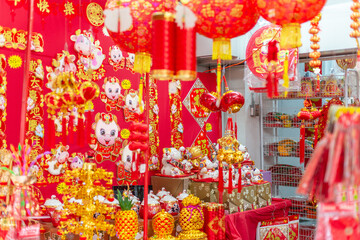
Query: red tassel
x=71, y=129
x=239, y=181
x=302, y=142
x=230, y=188
x=64, y=130
x=51, y=132
x=315, y=135
x=318, y=83
x=135, y=159
x=88, y=125
x=269, y=85
x=230, y=125
x=221, y=183
x=272, y=51
x=236, y=129
x=80, y=131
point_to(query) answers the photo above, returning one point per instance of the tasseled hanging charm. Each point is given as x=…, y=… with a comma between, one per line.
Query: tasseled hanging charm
x=272, y=58
x=81, y=130
x=141, y=87
x=236, y=129
x=240, y=179
x=52, y=130
x=221, y=181
x=315, y=63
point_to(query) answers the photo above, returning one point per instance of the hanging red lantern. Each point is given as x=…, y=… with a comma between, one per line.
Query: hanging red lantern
x=289, y=15
x=129, y=25
x=232, y=102
x=222, y=20
x=209, y=102
x=163, y=45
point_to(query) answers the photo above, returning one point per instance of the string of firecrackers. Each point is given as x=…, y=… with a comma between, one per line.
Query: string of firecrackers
x=355, y=25
x=17, y=39
x=3, y=101
x=154, y=164
x=177, y=128
x=315, y=63
x=34, y=115
x=90, y=56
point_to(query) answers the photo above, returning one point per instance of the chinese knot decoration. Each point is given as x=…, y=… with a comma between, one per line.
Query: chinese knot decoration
x=85, y=185
x=308, y=112
x=315, y=63
x=289, y=15
x=68, y=94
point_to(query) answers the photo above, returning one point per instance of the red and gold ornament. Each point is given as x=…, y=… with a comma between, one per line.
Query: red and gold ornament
x=289, y=15
x=315, y=63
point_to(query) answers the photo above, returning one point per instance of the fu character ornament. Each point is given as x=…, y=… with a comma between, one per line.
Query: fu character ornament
x=106, y=142
x=116, y=58
x=112, y=96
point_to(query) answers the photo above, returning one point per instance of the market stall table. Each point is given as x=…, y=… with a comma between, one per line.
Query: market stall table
x=242, y=225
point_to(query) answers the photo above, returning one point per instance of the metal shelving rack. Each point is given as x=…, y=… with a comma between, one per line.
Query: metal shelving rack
x=279, y=136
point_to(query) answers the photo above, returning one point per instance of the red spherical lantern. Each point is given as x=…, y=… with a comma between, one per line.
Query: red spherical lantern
x=232, y=102
x=129, y=23
x=222, y=20
x=289, y=14
x=209, y=102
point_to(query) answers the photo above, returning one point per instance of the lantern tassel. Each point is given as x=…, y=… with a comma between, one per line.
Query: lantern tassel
x=142, y=62
x=302, y=142
x=51, y=132
x=239, y=181
x=221, y=182
x=88, y=125
x=64, y=130
x=222, y=49
x=290, y=36
x=71, y=128
x=286, y=73
x=81, y=131
x=141, y=86
x=230, y=187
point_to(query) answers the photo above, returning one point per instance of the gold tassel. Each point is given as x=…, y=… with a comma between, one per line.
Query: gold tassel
x=286, y=73
x=142, y=62
x=290, y=36
x=141, y=86
x=222, y=49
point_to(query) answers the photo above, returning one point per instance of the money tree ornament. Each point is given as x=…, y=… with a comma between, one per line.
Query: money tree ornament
x=289, y=15
x=85, y=185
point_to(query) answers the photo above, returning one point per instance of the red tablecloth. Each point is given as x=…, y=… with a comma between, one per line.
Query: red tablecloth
x=242, y=225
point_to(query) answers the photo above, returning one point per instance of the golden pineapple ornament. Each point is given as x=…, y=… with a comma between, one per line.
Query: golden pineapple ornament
x=126, y=220
x=163, y=225
x=192, y=219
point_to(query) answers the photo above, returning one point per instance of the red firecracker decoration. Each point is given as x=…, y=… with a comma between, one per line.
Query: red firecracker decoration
x=289, y=15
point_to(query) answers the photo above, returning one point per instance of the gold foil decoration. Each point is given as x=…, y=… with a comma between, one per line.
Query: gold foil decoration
x=95, y=15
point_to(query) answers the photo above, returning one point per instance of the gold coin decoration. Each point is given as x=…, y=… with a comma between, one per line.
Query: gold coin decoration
x=95, y=14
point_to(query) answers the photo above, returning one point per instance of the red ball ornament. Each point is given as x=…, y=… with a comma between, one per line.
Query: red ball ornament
x=222, y=20
x=232, y=102
x=289, y=15
x=209, y=102
x=129, y=24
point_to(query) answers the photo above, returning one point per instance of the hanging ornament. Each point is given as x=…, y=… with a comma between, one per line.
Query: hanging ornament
x=230, y=19
x=271, y=79
x=129, y=24
x=289, y=15
x=315, y=63
x=355, y=26
x=94, y=14
x=185, y=32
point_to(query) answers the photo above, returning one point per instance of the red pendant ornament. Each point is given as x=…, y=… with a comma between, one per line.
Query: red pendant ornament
x=289, y=15
x=163, y=45
x=209, y=102
x=232, y=102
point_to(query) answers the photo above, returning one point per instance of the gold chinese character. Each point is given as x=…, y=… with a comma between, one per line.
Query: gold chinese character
x=32, y=125
x=43, y=6
x=69, y=8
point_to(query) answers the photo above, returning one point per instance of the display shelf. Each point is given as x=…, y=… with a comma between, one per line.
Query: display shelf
x=301, y=206
x=285, y=175
x=285, y=147
x=307, y=230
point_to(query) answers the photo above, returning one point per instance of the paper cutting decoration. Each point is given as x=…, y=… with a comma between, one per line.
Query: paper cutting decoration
x=90, y=56
x=132, y=107
x=3, y=101
x=112, y=96
x=116, y=58
x=106, y=141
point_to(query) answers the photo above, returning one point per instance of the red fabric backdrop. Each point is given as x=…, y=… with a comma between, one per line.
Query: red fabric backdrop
x=56, y=31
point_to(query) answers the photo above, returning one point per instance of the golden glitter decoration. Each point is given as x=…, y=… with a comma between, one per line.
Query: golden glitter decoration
x=15, y=61
x=61, y=188
x=95, y=15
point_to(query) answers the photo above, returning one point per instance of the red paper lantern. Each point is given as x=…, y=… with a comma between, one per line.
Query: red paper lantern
x=134, y=19
x=163, y=45
x=222, y=20
x=289, y=14
x=232, y=102
x=209, y=102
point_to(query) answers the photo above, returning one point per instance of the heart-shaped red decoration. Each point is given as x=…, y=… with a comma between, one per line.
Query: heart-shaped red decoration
x=208, y=101
x=89, y=91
